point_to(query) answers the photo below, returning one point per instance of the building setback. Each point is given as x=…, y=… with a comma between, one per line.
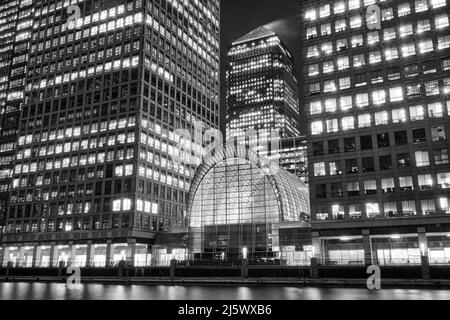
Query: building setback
x=378, y=129
x=93, y=179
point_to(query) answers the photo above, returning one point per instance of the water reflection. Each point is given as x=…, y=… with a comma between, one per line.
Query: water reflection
x=59, y=291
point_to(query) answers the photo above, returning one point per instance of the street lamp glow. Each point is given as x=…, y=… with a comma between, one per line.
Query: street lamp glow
x=395, y=236
x=244, y=253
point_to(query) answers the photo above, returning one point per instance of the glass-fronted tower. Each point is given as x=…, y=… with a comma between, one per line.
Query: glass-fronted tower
x=93, y=177
x=16, y=21
x=262, y=91
x=377, y=84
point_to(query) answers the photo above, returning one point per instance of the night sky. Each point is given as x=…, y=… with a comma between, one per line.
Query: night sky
x=238, y=17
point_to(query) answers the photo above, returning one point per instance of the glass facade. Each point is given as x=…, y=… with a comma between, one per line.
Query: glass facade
x=98, y=104
x=235, y=204
x=262, y=90
x=378, y=112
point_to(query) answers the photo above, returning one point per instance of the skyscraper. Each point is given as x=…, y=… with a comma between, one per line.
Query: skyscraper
x=105, y=92
x=376, y=85
x=15, y=23
x=262, y=91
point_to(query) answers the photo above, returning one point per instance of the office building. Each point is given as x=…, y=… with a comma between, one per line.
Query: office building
x=377, y=84
x=261, y=89
x=93, y=176
x=16, y=21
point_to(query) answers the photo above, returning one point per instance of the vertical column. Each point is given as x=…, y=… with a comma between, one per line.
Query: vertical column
x=2, y=255
x=423, y=241
x=131, y=251
x=90, y=254
x=367, y=245
x=53, y=255
x=317, y=245
x=20, y=261
x=423, y=245
x=5, y=259
x=72, y=253
x=36, y=256
x=109, y=253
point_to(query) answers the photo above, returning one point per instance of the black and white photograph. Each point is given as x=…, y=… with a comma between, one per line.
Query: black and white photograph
x=224, y=154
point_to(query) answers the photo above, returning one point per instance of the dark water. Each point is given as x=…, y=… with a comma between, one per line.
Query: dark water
x=59, y=291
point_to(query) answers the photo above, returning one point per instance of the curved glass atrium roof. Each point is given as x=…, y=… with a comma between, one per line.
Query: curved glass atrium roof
x=234, y=203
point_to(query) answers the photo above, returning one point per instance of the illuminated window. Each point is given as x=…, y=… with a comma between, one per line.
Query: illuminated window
x=404, y=9
x=311, y=32
x=340, y=25
x=126, y=205
x=359, y=60
x=324, y=11
x=372, y=210
x=313, y=51
x=313, y=70
x=329, y=86
x=339, y=7
x=443, y=180
x=441, y=21
x=346, y=103
x=438, y=134
x=389, y=34
x=426, y=46
x=432, y=88
x=341, y=44
x=316, y=107
x=344, y=83
x=348, y=123
x=398, y=115
x=444, y=204
x=319, y=169
x=416, y=113
x=396, y=94
x=387, y=14
x=327, y=48
x=405, y=30
x=422, y=159
x=330, y=105
x=438, y=3
x=314, y=88
x=441, y=156
x=409, y=208
x=423, y=25
x=435, y=110
x=381, y=118
x=446, y=87
x=354, y=4
x=373, y=37
x=317, y=127
x=328, y=66
x=332, y=126
x=362, y=100
x=421, y=5
x=374, y=57
x=343, y=63
x=357, y=41
x=364, y=120
x=443, y=42
x=117, y=205
x=311, y=15
x=325, y=29
x=408, y=50
x=405, y=183
x=378, y=97
x=355, y=22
